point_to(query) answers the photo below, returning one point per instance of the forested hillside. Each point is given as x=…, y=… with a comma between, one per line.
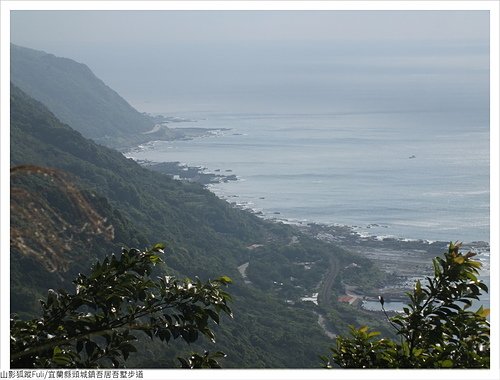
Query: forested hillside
x=72, y=92
x=205, y=236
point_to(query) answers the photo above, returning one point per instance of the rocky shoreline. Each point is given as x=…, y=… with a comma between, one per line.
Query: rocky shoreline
x=404, y=260
x=401, y=257
x=176, y=169
x=182, y=172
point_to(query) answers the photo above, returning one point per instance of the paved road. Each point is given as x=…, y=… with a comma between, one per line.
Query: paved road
x=325, y=290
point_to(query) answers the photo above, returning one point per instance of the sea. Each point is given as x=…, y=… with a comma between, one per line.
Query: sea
x=407, y=175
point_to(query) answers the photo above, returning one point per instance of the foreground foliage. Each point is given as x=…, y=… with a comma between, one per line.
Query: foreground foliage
x=437, y=329
x=94, y=327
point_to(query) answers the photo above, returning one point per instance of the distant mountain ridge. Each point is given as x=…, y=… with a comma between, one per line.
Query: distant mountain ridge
x=79, y=98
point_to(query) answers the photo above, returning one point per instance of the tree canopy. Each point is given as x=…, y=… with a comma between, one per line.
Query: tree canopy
x=95, y=326
x=437, y=329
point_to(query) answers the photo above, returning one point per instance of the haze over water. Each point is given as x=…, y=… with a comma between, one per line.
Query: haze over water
x=325, y=108
x=352, y=169
x=323, y=130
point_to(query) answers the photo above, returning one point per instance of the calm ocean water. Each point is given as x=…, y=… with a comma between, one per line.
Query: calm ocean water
x=416, y=175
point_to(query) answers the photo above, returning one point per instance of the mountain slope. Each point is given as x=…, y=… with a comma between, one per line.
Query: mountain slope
x=73, y=93
x=206, y=237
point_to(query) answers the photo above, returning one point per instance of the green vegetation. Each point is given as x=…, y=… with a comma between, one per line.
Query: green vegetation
x=365, y=275
x=72, y=92
x=74, y=201
x=436, y=330
x=342, y=316
x=205, y=236
x=93, y=326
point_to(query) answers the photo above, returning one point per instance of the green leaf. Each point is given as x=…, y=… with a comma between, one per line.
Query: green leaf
x=184, y=363
x=90, y=348
x=213, y=315
x=448, y=363
x=471, y=276
x=149, y=333
x=475, y=264
x=126, y=349
x=373, y=334
x=437, y=268
x=405, y=348
x=190, y=335
x=418, y=287
x=483, y=286
x=154, y=259
x=158, y=247
x=483, y=312
x=60, y=358
x=225, y=280
x=363, y=329
x=79, y=346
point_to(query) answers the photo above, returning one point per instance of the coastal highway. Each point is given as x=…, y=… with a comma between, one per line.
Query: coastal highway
x=325, y=290
x=324, y=295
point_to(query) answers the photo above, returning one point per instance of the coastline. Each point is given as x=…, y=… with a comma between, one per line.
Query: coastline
x=404, y=259
x=183, y=172
x=176, y=169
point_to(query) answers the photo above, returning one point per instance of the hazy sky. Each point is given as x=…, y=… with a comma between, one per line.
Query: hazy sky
x=40, y=27
x=272, y=60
